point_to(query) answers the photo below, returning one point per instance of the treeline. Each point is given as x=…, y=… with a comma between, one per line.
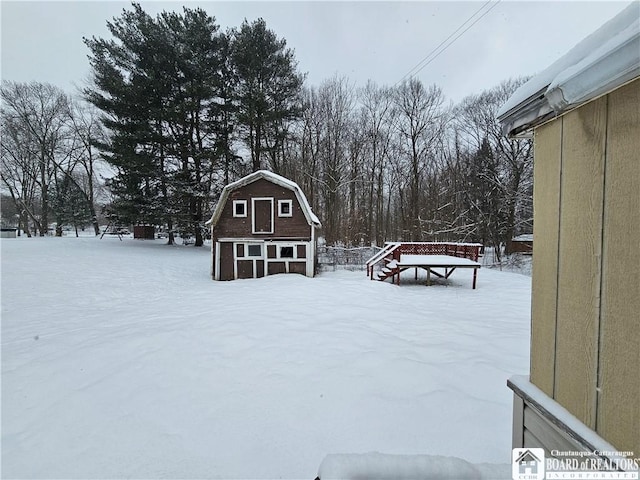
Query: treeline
x=48, y=162
x=185, y=108
x=400, y=163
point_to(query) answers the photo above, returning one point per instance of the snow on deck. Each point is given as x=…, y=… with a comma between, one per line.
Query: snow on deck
x=124, y=359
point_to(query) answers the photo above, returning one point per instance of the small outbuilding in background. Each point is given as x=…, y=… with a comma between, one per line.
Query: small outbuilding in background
x=144, y=232
x=8, y=232
x=521, y=244
x=262, y=225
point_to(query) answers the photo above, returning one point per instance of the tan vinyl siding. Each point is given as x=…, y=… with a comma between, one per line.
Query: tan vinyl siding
x=579, y=261
x=546, y=205
x=586, y=294
x=619, y=401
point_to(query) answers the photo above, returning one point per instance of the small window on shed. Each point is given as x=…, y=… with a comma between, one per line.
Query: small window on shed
x=285, y=208
x=254, y=250
x=286, y=252
x=239, y=208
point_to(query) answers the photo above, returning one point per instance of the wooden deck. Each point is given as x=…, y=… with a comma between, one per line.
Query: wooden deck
x=446, y=257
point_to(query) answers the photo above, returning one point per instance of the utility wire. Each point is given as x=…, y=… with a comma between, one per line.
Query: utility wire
x=444, y=41
x=420, y=65
x=429, y=58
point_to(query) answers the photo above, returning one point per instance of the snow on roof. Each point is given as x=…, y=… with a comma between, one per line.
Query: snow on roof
x=603, y=61
x=272, y=177
x=525, y=237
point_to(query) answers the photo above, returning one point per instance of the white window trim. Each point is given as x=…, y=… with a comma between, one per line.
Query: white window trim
x=246, y=257
x=245, y=248
x=253, y=215
x=279, y=251
x=309, y=260
x=254, y=257
x=216, y=261
x=285, y=202
x=239, y=202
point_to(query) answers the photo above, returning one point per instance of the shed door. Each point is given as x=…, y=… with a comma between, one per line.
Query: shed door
x=262, y=215
x=226, y=261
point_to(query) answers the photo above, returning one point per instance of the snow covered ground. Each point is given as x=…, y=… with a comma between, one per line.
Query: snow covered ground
x=125, y=360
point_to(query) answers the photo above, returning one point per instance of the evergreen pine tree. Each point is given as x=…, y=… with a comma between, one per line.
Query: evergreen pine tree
x=155, y=83
x=269, y=89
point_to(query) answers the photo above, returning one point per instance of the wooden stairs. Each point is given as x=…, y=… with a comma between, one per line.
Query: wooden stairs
x=388, y=270
x=388, y=256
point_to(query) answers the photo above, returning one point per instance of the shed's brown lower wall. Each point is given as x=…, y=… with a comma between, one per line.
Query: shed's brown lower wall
x=585, y=338
x=231, y=259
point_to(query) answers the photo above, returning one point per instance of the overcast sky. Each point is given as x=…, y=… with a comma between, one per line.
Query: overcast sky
x=380, y=41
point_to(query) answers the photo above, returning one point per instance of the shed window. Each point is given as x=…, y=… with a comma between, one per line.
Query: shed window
x=239, y=208
x=254, y=250
x=286, y=252
x=285, y=208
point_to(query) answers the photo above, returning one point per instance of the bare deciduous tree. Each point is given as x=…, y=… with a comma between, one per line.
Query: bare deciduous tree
x=378, y=117
x=421, y=124
x=512, y=176
x=87, y=129
x=48, y=151
x=34, y=119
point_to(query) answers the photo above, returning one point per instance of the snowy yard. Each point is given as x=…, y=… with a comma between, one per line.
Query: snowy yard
x=125, y=360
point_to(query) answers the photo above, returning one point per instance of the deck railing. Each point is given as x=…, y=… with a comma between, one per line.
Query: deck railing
x=388, y=250
x=460, y=250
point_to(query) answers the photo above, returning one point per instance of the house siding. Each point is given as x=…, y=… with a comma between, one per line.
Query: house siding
x=583, y=149
x=618, y=416
x=546, y=207
x=585, y=301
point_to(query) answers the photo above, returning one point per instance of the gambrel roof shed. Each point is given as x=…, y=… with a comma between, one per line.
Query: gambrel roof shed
x=262, y=225
x=312, y=219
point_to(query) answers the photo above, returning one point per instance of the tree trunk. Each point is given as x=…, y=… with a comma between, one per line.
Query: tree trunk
x=256, y=156
x=94, y=222
x=44, y=219
x=24, y=220
x=170, y=239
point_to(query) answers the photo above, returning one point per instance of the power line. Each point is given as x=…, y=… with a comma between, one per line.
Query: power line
x=428, y=59
x=444, y=41
x=431, y=57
